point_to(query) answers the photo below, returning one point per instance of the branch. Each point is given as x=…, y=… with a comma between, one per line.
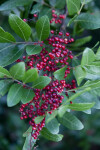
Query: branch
x=62, y=28
x=17, y=81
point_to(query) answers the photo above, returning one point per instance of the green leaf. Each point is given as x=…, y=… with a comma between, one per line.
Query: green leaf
x=59, y=74
x=85, y=1
x=92, y=84
x=6, y=37
x=96, y=45
x=43, y=28
x=9, y=53
x=49, y=117
x=38, y=119
x=41, y=82
x=27, y=95
x=58, y=4
x=91, y=76
x=62, y=109
x=27, y=133
x=73, y=6
x=71, y=20
x=89, y=97
x=29, y=143
x=47, y=10
x=82, y=41
x=88, y=21
x=87, y=111
x=36, y=8
x=18, y=70
x=17, y=93
x=33, y=49
x=30, y=75
x=94, y=68
x=78, y=94
x=9, y=5
x=53, y=126
x=80, y=106
x=4, y=73
x=14, y=95
x=4, y=86
x=70, y=121
x=98, y=54
x=20, y=27
x=53, y=137
x=80, y=74
x=87, y=57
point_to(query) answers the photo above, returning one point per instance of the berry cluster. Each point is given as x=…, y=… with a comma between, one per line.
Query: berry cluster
x=45, y=100
x=57, y=18
x=59, y=55
x=54, y=55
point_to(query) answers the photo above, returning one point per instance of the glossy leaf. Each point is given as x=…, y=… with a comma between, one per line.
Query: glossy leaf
x=85, y=1
x=59, y=74
x=43, y=28
x=9, y=53
x=88, y=21
x=78, y=94
x=9, y=4
x=53, y=126
x=82, y=41
x=33, y=49
x=27, y=95
x=30, y=75
x=29, y=143
x=94, y=68
x=80, y=106
x=91, y=76
x=36, y=8
x=4, y=73
x=80, y=74
x=58, y=4
x=18, y=70
x=20, y=27
x=17, y=93
x=4, y=86
x=53, y=137
x=14, y=95
x=62, y=109
x=71, y=20
x=27, y=133
x=38, y=119
x=98, y=54
x=87, y=57
x=92, y=84
x=73, y=6
x=49, y=117
x=6, y=37
x=87, y=111
x=47, y=10
x=70, y=121
x=89, y=97
x=41, y=82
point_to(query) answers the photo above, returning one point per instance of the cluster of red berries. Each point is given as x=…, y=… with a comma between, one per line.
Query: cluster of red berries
x=56, y=18
x=45, y=100
x=59, y=55
x=27, y=111
x=53, y=56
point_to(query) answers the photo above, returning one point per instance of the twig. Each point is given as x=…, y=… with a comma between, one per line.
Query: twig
x=23, y=84
x=64, y=20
